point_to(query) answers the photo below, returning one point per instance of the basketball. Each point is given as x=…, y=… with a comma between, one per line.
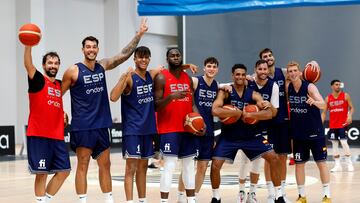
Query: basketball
x=312, y=72
x=249, y=109
x=194, y=123
x=229, y=120
x=29, y=34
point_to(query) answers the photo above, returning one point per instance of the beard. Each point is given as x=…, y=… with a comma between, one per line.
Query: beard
x=174, y=65
x=50, y=73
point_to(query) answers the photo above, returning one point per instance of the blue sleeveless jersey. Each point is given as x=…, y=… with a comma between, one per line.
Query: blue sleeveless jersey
x=89, y=100
x=282, y=114
x=240, y=130
x=204, y=98
x=266, y=92
x=305, y=120
x=138, y=108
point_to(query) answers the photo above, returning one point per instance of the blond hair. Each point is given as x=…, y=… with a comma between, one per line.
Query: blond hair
x=293, y=63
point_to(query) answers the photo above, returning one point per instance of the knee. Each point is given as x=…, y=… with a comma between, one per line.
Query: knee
x=63, y=175
x=105, y=165
x=130, y=169
x=215, y=166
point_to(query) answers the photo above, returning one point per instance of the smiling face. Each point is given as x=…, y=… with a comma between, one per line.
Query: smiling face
x=90, y=50
x=239, y=76
x=51, y=64
x=269, y=58
x=262, y=71
x=142, y=61
x=210, y=70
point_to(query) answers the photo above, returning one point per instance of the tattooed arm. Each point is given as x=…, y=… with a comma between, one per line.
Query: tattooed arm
x=111, y=63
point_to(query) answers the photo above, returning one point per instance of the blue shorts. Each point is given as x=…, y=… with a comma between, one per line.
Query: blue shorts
x=254, y=148
x=279, y=137
x=47, y=155
x=138, y=146
x=97, y=140
x=337, y=134
x=181, y=145
x=204, y=147
x=302, y=150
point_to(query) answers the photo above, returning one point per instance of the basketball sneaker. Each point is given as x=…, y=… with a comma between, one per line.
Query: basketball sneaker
x=326, y=200
x=241, y=197
x=280, y=200
x=214, y=200
x=301, y=200
x=251, y=198
x=337, y=168
x=350, y=167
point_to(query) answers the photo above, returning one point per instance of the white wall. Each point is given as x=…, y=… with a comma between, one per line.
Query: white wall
x=113, y=22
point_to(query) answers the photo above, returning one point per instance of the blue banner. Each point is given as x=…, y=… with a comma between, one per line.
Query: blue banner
x=200, y=7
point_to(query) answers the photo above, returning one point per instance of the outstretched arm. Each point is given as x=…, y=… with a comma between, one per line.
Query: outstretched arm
x=111, y=63
x=29, y=66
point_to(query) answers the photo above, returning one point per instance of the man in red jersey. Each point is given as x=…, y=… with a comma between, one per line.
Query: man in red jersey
x=47, y=151
x=340, y=110
x=173, y=100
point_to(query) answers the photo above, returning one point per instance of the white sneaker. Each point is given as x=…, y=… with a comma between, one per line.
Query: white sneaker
x=241, y=197
x=337, y=168
x=271, y=199
x=350, y=167
x=251, y=198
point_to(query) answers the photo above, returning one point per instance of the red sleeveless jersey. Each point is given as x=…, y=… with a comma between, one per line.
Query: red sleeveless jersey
x=338, y=108
x=172, y=117
x=46, y=118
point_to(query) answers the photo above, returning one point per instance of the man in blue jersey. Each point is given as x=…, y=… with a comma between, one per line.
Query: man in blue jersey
x=278, y=132
x=138, y=118
x=269, y=91
x=307, y=130
x=90, y=111
x=205, y=87
x=240, y=135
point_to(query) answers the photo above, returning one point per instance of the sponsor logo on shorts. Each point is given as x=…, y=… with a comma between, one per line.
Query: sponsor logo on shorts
x=42, y=164
x=167, y=147
x=297, y=157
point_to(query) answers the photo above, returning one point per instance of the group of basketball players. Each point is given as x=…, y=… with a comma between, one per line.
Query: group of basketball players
x=155, y=102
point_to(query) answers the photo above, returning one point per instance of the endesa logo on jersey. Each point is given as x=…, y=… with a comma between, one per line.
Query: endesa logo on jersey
x=206, y=97
x=95, y=82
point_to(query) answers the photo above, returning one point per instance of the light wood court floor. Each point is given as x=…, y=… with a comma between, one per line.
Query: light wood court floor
x=16, y=184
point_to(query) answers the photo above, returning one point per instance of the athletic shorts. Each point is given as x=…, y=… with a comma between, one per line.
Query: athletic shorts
x=253, y=148
x=302, y=150
x=137, y=146
x=279, y=137
x=337, y=134
x=181, y=145
x=98, y=140
x=204, y=147
x=47, y=155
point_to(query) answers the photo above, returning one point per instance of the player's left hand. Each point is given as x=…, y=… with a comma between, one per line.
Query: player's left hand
x=265, y=104
x=310, y=100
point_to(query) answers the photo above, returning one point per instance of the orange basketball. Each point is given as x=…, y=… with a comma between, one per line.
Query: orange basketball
x=312, y=72
x=229, y=120
x=29, y=34
x=194, y=123
x=251, y=108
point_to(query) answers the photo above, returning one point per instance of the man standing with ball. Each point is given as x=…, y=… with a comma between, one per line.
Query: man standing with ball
x=90, y=111
x=47, y=151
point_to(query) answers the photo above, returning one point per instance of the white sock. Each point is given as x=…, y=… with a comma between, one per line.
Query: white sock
x=348, y=159
x=326, y=190
x=278, y=192
x=181, y=196
x=191, y=199
x=163, y=200
x=270, y=188
x=82, y=198
x=108, y=197
x=48, y=197
x=301, y=190
x=142, y=200
x=241, y=187
x=40, y=199
x=283, y=187
x=216, y=193
x=252, y=188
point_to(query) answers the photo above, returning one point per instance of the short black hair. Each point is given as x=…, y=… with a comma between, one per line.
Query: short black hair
x=142, y=51
x=264, y=51
x=260, y=61
x=334, y=81
x=238, y=66
x=90, y=38
x=211, y=60
x=172, y=48
x=50, y=54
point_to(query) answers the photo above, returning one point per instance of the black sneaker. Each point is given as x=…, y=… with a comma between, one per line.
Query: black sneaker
x=152, y=165
x=280, y=200
x=214, y=200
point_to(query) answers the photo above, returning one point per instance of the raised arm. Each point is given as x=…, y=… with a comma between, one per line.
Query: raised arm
x=124, y=85
x=314, y=97
x=324, y=111
x=29, y=66
x=111, y=63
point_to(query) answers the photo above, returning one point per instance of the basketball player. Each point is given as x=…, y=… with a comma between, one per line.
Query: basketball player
x=278, y=131
x=46, y=149
x=269, y=91
x=341, y=110
x=307, y=130
x=173, y=100
x=90, y=111
x=205, y=87
x=239, y=135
